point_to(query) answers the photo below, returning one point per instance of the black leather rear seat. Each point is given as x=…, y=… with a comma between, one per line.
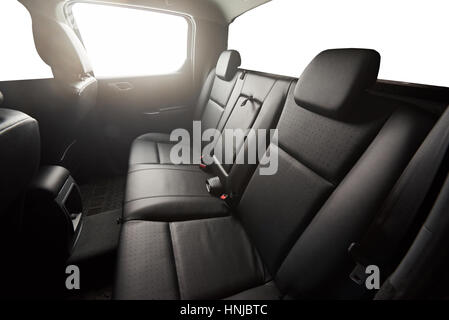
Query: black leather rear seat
x=178, y=192
x=341, y=150
x=213, y=107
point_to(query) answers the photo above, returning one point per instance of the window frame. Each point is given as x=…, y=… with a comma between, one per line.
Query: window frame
x=191, y=28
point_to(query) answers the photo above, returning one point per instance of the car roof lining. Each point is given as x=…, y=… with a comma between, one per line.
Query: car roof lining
x=233, y=8
x=220, y=11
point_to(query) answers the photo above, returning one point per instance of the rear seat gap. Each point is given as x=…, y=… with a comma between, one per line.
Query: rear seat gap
x=168, y=168
x=172, y=249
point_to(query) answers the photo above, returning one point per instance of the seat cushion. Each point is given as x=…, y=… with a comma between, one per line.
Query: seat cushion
x=151, y=148
x=170, y=193
x=200, y=259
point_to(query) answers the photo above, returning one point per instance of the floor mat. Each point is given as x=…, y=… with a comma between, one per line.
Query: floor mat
x=98, y=238
x=103, y=195
x=95, y=256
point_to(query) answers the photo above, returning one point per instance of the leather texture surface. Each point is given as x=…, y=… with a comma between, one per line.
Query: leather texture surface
x=151, y=186
x=228, y=64
x=167, y=260
x=20, y=155
x=219, y=251
x=145, y=267
x=151, y=148
x=332, y=82
x=51, y=179
x=214, y=105
x=288, y=236
x=169, y=193
x=320, y=251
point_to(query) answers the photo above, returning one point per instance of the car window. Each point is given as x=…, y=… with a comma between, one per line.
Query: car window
x=124, y=42
x=283, y=35
x=19, y=59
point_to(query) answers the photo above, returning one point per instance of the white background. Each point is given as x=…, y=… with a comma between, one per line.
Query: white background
x=284, y=35
x=18, y=56
x=124, y=42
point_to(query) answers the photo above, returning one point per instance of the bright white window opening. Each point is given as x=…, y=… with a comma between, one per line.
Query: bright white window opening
x=19, y=59
x=123, y=42
x=282, y=36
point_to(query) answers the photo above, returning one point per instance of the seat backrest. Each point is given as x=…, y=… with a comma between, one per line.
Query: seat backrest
x=217, y=90
x=257, y=105
x=19, y=156
x=19, y=161
x=59, y=46
x=340, y=151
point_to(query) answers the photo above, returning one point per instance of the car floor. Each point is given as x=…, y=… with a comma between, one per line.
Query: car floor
x=95, y=251
x=103, y=194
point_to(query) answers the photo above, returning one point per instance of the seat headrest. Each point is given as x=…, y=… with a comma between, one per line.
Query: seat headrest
x=334, y=80
x=20, y=155
x=59, y=47
x=228, y=64
x=1, y=98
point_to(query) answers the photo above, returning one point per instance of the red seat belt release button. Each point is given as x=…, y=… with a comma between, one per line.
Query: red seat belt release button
x=223, y=196
x=202, y=164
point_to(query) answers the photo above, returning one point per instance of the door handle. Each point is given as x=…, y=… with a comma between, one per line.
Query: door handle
x=121, y=86
x=164, y=109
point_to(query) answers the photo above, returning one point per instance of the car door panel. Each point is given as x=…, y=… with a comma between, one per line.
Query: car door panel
x=134, y=106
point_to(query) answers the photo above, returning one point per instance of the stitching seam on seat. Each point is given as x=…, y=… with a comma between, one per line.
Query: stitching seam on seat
x=14, y=125
x=172, y=247
x=226, y=111
x=269, y=91
x=158, y=153
x=170, y=196
x=216, y=102
x=232, y=90
x=305, y=165
x=170, y=169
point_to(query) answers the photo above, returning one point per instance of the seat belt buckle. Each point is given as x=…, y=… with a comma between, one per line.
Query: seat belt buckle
x=358, y=274
x=202, y=164
x=249, y=98
x=214, y=186
x=224, y=197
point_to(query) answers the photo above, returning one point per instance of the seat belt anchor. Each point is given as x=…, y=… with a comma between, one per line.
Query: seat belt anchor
x=249, y=98
x=358, y=274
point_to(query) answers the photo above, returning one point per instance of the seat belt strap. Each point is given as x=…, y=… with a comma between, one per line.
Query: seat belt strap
x=390, y=226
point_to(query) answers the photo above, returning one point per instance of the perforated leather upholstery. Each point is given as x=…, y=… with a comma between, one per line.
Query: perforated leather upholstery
x=289, y=234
